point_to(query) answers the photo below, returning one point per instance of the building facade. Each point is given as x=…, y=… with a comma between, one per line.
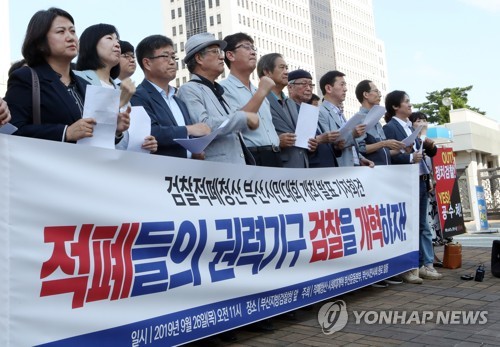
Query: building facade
x=314, y=35
x=476, y=144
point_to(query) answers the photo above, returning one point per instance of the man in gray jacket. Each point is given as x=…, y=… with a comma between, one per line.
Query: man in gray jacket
x=284, y=111
x=206, y=103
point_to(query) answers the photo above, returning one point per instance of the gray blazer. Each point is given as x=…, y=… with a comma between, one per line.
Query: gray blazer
x=204, y=107
x=91, y=77
x=291, y=156
x=329, y=120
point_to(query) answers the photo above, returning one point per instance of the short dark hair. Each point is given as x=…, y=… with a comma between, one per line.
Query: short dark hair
x=126, y=46
x=329, y=78
x=149, y=44
x=35, y=46
x=88, y=59
x=267, y=63
x=362, y=87
x=232, y=41
x=416, y=116
x=393, y=99
x=314, y=97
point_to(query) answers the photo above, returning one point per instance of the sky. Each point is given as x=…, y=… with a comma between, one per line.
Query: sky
x=430, y=44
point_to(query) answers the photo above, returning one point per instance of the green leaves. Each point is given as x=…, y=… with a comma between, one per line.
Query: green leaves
x=440, y=113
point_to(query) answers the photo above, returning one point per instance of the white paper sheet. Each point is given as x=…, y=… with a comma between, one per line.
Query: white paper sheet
x=197, y=145
x=140, y=127
x=411, y=139
x=349, y=126
x=307, y=123
x=7, y=129
x=373, y=116
x=102, y=104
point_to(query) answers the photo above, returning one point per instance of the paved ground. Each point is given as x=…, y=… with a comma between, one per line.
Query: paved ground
x=449, y=294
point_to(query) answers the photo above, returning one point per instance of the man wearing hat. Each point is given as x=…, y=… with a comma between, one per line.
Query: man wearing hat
x=300, y=86
x=206, y=103
x=300, y=90
x=284, y=111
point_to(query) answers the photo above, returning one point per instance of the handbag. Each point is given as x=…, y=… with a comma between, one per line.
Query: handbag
x=35, y=97
x=452, y=258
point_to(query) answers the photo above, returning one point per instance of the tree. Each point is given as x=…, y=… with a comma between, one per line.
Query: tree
x=439, y=113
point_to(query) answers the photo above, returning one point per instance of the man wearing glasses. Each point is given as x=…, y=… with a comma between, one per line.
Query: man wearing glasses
x=300, y=90
x=284, y=111
x=207, y=104
x=300, y=86
x=169, y=115
x=241, y=59
x=127, y=61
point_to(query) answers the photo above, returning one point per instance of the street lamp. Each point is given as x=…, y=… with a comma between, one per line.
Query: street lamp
x=447, y=102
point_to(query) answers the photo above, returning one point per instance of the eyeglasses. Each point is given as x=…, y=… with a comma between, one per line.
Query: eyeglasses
x=304, y=84
x=165, y=57
x=216, y=51
x=247, y=47
x=375, y=90
x=128, y=56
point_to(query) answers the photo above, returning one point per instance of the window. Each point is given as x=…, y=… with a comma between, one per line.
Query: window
x=173, y=14
x=179, y=12
x=174, y=31
x=218, y=19
x=182, y=46
x=211, y=21
x=217, y=3
x=181, y=29
x=210, y=4
x=220, y=35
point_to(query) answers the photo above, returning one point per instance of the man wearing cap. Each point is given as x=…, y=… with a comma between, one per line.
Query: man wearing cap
x=169, y=115
x=300, y=87
x=241, y=59
x=127, y=61
x=284, y=111
x=206, y=103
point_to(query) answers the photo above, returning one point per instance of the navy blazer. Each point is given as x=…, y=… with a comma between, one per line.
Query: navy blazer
x=163, y=124
x=291, y=156
x=395, y=131
x=58, y=108
x=325, y=154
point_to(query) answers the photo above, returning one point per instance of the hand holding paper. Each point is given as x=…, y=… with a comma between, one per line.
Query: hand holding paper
x=348, y=127
x=197, y=145
x=307, y=123
x=411, y=139
x=102, y=105
x=373, y=116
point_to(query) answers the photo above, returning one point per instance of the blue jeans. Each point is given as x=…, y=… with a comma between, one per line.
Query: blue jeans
x=426, y=251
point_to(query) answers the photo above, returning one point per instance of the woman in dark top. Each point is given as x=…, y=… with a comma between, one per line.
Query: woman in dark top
x=49, y=46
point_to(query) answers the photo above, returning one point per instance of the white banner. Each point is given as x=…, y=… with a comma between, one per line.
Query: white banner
x=110, y=248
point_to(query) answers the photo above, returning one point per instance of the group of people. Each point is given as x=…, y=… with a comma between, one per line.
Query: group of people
x=260, y=121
